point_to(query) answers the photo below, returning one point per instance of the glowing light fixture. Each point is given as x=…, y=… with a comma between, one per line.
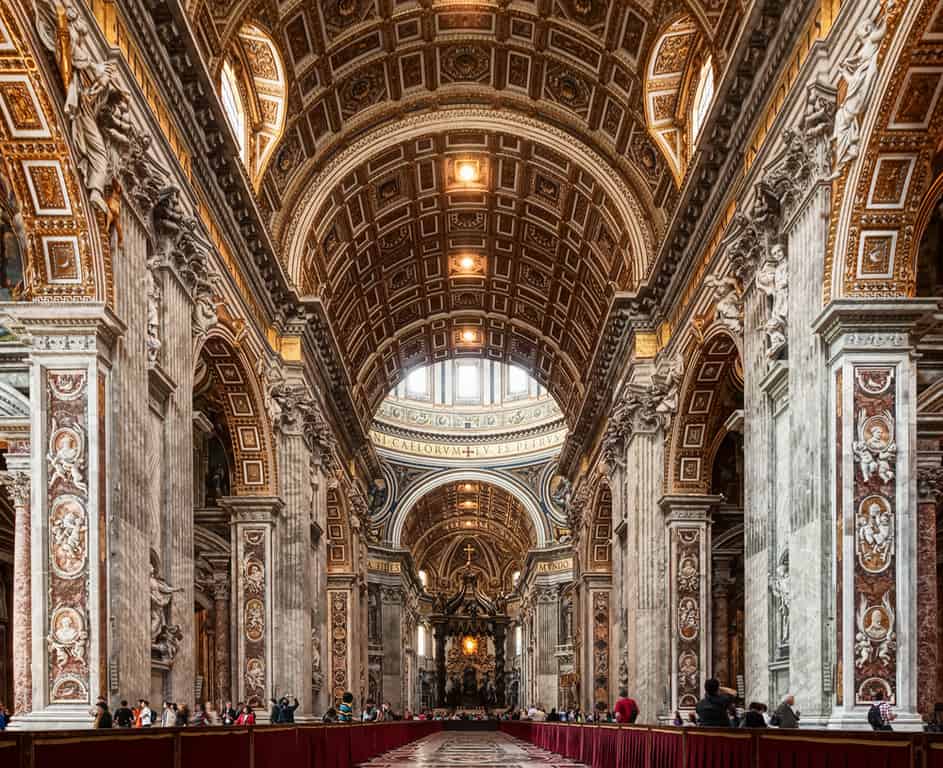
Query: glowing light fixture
x=470, y=645
x=469, y=505
x=468, y=487
x=467, y=171
x=467, y=263
x=469, y=336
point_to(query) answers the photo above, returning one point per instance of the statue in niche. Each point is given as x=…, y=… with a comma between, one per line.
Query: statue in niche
x=373, y=614
x=377, y=495
x=860, y=71
x=161, y=596
x=780, y=585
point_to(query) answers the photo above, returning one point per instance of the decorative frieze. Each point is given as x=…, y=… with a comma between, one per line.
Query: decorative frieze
x=69, y=528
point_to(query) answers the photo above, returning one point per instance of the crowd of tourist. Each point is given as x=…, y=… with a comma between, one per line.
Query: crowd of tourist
x=719, y=708
x=174, y=716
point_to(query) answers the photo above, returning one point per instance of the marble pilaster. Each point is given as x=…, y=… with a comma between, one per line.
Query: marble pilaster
x=252, y=523
x=689, y=588
x=872, y=405
x=17, y=482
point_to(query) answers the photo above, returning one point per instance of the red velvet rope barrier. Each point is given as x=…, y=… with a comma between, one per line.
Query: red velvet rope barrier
x=299, y=746
x=601, y=746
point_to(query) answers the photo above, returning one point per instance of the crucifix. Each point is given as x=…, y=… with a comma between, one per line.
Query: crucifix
x=468, y=452
x=469, y=549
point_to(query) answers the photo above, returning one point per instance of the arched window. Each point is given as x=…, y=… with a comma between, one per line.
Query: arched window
x=233, y=106
x=424, y=579
x=253, y=93
x=703, y=96
x=518, y=640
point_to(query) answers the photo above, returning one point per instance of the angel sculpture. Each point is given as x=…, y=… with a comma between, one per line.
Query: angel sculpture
x=728, y=306
x=65, y=457
x=875, y=636
x=875, y=448
x=860, y=71
x=89, y=85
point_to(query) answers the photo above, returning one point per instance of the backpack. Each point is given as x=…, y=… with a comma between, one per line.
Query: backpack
x=874, y=717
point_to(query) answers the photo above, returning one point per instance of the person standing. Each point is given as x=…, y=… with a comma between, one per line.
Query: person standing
x=713, y=709
x=880, y=715
x=753, y=717
x=145, y=714
x=786, y=716
x=626, y=709
x=103, y=717
x=246, y=716
x=168, y=716
x=124, y=717
x=4, y=717
x=345, y=712
x=288, y=710
x=228, y=714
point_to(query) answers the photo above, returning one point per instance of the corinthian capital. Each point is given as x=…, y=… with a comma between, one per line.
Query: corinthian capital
x=18, y=486
x=930, y=483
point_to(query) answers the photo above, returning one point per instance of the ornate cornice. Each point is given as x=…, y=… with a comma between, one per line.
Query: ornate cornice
x=166, y=44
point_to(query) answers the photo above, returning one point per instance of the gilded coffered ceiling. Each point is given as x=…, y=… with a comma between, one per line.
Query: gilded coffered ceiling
x=473, y=526
x=572, y=190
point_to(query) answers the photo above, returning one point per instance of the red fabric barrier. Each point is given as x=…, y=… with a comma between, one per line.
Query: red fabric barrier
x=208, y=746
x=718, y=749
x=776, y=751
x=559, y=742
x=275, y=747
x=666, y=749
x=9, y=752
x=607, y=746
x=336, y=746
x=154, y=750
x=633, y=748
x=588, y=747
x=574, y=742
x=935, y=755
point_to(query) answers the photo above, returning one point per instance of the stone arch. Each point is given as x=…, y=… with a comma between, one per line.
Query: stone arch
x=264, y=94
x=671, y=76
x=67, y=250
x=880, y=193
x=438, y=479
x=598, y=558
x=340, y=554
x=237, y=391
x=712, y=378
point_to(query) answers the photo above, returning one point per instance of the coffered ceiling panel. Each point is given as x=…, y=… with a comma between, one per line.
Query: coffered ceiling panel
x=469, y=525
x=417, y=265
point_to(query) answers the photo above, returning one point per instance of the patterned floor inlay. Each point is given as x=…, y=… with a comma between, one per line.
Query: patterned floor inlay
x=482, y=750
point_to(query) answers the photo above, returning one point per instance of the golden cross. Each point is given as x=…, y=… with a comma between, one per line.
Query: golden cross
x=468, y=551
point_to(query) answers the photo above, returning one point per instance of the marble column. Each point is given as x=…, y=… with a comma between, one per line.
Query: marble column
x=252, y=523
x=17, y=483
x=721, y=584
x=643, y=588
x=929, y=494
x=872, y=406
x=689, y=588
x=499, y=650
x=440, y=637
x=292, y=561
x=222, y=664
x=547, y=614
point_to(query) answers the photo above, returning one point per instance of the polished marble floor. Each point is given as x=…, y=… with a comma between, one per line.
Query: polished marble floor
x=482, y=750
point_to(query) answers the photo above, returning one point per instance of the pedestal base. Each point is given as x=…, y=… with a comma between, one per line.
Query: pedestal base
x=58, y=718
x=857, y=720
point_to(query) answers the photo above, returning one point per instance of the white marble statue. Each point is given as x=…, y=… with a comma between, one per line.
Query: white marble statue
x=860, y=71
x=875, y=449
x=728, y=302
x=772, y=278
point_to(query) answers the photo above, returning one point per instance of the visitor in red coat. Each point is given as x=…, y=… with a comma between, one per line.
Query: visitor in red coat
x=626, y=709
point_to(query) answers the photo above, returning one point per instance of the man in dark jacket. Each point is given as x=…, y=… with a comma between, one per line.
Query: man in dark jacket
x=785, y=715
x=712, y=710
x=124, y=717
